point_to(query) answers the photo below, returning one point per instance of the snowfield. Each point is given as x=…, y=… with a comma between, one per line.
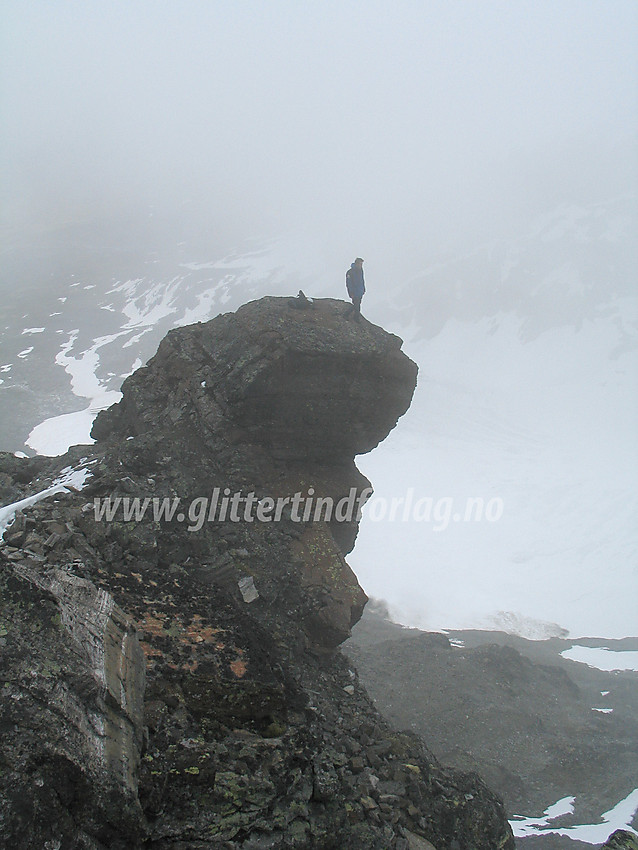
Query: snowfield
x=547, y=427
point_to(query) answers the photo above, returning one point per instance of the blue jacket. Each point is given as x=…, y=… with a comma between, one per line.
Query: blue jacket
x=355, y=283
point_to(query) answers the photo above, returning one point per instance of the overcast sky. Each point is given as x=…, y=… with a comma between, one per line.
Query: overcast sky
x=413, y=122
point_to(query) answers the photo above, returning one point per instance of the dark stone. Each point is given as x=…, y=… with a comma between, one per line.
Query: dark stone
x=622, y=839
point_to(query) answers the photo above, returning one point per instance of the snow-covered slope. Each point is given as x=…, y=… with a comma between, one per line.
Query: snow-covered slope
x=543, y=433
x=526, y=402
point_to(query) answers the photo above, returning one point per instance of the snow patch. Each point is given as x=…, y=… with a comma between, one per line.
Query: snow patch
x=620, y=817
x=602, y=658
x=54, y=436
x=203, y=310
x=145, y=307
x=68, y=479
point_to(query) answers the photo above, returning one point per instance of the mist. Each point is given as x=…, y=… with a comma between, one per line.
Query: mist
x=164, y=162
x=395, y=131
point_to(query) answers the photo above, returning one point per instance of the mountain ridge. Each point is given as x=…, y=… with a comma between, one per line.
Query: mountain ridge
x=255, y=731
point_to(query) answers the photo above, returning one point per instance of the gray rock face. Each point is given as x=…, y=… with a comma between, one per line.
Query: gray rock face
x=622, y=839
x=256, y=732
x=72, y=707
x=107, y=641
x=306, y=385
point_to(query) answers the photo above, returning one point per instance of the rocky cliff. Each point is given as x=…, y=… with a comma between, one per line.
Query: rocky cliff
x=171, y=675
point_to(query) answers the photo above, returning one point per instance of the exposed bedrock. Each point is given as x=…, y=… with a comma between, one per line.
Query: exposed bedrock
x=181, y=671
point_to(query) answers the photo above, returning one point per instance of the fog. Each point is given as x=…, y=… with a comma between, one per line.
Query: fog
x=163, y=162
x=395, y=131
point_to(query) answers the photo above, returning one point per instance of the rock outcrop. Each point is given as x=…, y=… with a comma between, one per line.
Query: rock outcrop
x=622, y=839
x=245, y=726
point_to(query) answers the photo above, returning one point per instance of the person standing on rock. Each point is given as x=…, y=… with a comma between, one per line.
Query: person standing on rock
x=356, y=287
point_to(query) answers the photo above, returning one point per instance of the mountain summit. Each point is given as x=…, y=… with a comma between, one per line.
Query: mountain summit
x=173, y=599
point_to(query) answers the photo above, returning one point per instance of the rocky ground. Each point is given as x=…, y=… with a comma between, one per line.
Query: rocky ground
x=513, y=710
x=179, y=689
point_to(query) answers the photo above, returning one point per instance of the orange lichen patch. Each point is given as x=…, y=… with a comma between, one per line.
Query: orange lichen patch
x=138, y=576
x=150, y=652
x=196, y=633
x=154, y=624
x=238, y=666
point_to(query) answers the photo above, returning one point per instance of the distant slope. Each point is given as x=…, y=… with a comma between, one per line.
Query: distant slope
x=538, y=727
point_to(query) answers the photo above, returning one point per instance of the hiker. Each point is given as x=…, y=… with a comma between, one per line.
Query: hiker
x=356, y=288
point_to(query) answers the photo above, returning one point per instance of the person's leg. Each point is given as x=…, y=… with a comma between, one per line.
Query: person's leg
x=356, y=304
